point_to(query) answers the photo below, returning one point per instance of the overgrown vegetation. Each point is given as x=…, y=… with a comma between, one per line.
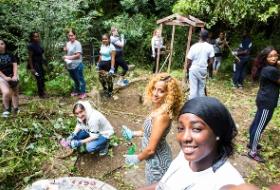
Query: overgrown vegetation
x=29, y=140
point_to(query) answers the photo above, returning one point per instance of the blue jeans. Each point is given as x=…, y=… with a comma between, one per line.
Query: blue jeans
x=78, y=78
x=240, y=72
x=92, y=146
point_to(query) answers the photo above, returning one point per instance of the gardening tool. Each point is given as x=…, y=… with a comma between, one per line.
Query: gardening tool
x=230, y=49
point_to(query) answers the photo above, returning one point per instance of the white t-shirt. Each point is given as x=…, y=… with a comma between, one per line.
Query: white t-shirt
x=179, y=176
x=199, y=53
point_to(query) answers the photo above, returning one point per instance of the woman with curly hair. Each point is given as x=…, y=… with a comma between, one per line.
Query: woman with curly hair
x=164, y=94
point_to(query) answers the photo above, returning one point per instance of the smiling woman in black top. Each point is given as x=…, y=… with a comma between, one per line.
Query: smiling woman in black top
x=267, y=98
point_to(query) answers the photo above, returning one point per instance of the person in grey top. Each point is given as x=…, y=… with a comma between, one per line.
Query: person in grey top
x=74, y=64
x=118, y=42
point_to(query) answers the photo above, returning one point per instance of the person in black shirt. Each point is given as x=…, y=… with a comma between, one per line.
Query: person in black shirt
x=8, y=80
x=267, y=98
x=35, y=62
x=243, y=53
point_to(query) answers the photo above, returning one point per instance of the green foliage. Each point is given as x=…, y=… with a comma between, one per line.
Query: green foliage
x=26, y=142
x=50, y=18
x=57, y=80
x=137, y=30
x=233, y=12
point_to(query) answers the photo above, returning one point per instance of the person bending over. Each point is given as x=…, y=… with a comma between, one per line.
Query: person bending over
x=92, y=130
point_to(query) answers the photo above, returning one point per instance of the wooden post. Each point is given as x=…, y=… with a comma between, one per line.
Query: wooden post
x=187, y=50
x=171, y=48
x=158, y=51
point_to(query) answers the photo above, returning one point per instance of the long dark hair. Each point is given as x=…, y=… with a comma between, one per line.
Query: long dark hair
x=261, y=61
x=4, y=41
x=31, y=35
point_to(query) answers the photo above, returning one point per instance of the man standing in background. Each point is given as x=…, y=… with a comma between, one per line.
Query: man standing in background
x=200, y=56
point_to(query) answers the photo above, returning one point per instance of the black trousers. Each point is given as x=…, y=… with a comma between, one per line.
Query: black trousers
x=40, y=78
x=121, y=62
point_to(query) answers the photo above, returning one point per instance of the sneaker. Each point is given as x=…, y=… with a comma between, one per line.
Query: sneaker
x=125, y=81
x=83, y=96
x=240, y=86
x=120, y=82
x=256, y=157
x=5, y=114
x=74, y=94
x=109, y=94
x=64, y=143
x=104, y=151
x=258, y=146
x=16, y=111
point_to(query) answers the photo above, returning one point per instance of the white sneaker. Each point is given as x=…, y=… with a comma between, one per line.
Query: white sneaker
x=123, y=82
x=5, y=114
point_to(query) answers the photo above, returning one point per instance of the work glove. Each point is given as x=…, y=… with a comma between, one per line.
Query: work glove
x=74, y=144
x=112, y=71
x=234, y=53
x=97, y=66
x=127, y=133
x=71, y=136
x=131, y=159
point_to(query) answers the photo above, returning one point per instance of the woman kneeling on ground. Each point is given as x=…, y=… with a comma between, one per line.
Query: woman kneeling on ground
x=92, y=131
x=164, y=94
x=205, y=133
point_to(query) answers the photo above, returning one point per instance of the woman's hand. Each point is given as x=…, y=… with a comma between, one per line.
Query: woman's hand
x=74, y=144
x=127, y=133
x=131, y=159
x=14, y=78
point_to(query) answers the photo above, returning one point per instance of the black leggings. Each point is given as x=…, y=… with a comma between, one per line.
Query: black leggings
x=120, y=62
x=40, y=78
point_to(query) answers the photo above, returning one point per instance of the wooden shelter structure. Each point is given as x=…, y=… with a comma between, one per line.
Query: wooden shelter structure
x=178, y=20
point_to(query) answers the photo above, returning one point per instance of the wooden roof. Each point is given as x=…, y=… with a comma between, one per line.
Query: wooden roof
x=176, y=19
